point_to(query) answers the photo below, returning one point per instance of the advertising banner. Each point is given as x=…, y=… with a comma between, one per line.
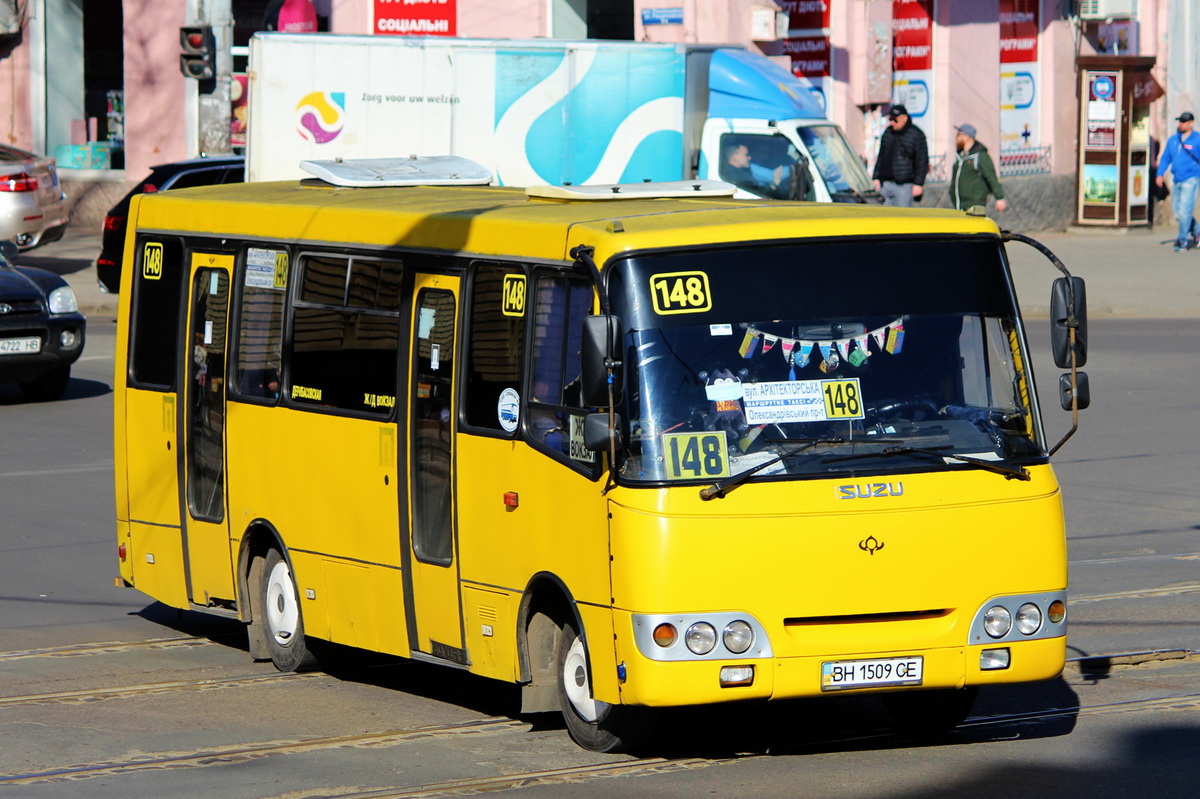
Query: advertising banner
x=806, y=15
x=912, y=61
x=1101, y=113
x=1019, y=74
x=415, y=17
x=810, y=57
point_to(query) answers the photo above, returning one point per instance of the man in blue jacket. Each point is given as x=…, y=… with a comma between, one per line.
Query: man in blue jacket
x=1182, y=157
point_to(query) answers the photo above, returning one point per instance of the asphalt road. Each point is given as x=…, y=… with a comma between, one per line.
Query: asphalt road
x=104, y=693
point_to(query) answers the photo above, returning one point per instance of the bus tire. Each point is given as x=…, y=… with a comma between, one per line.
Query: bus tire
x=930, y=713
x=282, y=621
x=596, y=726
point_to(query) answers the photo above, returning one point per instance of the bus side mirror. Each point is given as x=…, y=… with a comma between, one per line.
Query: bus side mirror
x=1068, y=305
x=598, y=436
x=1083, y=391
x=600, y=351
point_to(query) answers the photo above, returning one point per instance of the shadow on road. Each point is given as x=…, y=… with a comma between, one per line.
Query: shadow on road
x=77, y=389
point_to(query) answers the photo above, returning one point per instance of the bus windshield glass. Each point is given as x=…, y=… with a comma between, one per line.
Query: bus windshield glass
x=829, y=358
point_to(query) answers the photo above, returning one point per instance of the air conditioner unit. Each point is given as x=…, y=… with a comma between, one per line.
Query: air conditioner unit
x=1107, y=9
x=10, y=18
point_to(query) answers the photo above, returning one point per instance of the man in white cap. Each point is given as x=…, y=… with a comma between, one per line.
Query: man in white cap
x=973, y=175
x=1182, y=157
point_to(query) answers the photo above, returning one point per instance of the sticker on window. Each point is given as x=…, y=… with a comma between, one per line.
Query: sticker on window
x=514, y=295
x=266, y=269
x=579, y=450
x=152, y=261
x=693, y=456
x=680, y=292
x=802, y=401
x=508, y=409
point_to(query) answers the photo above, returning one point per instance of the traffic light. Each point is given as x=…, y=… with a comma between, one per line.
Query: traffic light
x=199, y=58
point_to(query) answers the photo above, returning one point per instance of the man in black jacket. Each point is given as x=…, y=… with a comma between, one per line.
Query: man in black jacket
x=903, y=160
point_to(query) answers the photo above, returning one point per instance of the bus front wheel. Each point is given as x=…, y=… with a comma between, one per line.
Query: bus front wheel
x=283, y=624
x=596, y=726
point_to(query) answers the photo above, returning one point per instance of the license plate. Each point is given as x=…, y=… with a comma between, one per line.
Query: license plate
x=17, y=346
x=838, y=675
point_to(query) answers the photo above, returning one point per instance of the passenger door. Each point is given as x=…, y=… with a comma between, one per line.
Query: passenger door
x=206, y=527
x=435, y=618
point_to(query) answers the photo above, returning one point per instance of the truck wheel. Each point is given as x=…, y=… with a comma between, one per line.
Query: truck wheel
x=283, y=625
x=49, y=386
x=594, y=725
x=929, y=713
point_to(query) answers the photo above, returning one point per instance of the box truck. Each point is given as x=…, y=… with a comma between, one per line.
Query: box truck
x=557, y=112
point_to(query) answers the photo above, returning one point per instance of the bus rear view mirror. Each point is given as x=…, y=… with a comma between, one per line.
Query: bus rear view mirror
x=598, y=435
x=599, y=355
x=1068, y=309
x=1082, y=392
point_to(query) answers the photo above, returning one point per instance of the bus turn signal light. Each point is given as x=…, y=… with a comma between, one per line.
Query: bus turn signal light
x=121, y=552
x=511, y=500
x=665, y=635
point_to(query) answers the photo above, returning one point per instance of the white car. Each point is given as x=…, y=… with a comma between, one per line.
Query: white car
x=33, y=208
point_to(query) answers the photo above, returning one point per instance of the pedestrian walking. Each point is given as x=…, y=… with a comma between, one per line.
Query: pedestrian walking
x=1181, y=157
x=903, y=160
x=973, y=175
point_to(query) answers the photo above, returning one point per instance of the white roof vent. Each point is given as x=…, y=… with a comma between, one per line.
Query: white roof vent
x=436, y=170
x=635, y=191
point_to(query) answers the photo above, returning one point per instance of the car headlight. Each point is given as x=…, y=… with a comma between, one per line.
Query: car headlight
x=701, y=637
x=1029, y=618
x=62, y=300
x=738, y=636
x=997, y=621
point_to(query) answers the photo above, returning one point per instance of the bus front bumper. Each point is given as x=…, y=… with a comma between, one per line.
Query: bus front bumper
x=699, y=682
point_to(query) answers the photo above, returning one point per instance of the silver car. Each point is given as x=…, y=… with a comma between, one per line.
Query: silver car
x=33, y=208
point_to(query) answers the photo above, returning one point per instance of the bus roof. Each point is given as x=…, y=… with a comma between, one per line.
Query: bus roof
x=489, y=220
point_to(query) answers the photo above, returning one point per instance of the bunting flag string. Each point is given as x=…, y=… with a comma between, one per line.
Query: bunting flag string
x=852, y=349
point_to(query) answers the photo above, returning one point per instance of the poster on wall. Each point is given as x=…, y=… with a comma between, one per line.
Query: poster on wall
x=415, y=17
x=1100, y=183
x=810, y=59
x=1019, y=74
x=912, y=61
x=1101, y=111
x=808, y=46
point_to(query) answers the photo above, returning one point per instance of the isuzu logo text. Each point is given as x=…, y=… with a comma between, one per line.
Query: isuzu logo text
x=868, y=490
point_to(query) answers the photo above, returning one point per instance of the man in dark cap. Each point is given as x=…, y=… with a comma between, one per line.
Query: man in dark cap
x=973, y=175
x=903, y=160
x=1182, y=157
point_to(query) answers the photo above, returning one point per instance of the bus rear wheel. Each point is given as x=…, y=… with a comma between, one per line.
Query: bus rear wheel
x=930, y=712
x=596, y=726
x=282, y=621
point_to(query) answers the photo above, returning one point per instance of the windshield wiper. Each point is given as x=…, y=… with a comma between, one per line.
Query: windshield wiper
x=721, y=487
x=1019, y=473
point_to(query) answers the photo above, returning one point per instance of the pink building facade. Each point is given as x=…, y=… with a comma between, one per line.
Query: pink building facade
x=106, y=78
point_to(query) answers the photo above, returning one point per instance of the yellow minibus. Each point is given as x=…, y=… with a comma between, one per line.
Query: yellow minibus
x=629, y=447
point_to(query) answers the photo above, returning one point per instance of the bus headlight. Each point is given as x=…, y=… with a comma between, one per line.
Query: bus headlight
x=1029, y=619
x=997, y=621
x=701, y=637
x=738, y=636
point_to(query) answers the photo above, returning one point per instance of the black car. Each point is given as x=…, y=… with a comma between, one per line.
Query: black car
x=206, y=171
x=41, y=328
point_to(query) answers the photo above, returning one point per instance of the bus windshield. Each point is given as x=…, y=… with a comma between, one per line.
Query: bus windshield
x=837, y=355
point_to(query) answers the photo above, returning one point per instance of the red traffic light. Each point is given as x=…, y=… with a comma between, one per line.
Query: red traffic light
x=198, y=59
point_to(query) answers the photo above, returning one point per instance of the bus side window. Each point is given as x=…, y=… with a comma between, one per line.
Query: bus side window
x=158, y=285
x=555, y=413
x=260, y=323
x=345, y=334
x=495, y=348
